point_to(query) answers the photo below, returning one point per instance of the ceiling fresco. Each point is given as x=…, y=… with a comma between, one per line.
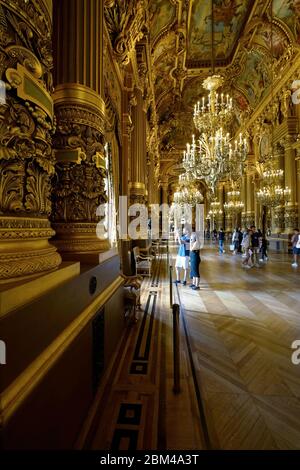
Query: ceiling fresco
x=229, y=18
x=165, y=45
x=262, y=39
x=251, y=80
x=255, y=77
x=162, y=13
x=288, y=11
x=162, y=71
x=178, y=43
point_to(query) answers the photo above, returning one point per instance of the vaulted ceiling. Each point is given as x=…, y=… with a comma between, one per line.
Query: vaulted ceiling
x=180, y=35
x=168, y=44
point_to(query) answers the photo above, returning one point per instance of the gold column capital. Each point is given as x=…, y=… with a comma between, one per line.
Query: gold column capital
x=76, y=93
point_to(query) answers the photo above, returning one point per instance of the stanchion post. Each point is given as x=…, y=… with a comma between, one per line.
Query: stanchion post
x=176, y=348
x=171, y=286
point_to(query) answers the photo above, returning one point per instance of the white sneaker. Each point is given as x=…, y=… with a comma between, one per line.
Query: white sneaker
x=261, y=260
x=295, y=265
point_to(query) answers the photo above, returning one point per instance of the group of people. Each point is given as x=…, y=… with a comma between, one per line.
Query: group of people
x=188, y=255
x=251, y=243
x=254, y=246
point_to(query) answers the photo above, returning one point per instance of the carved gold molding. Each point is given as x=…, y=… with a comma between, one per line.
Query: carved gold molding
x=26, y=126
x=77, y=94
x=30, y=89
x=36, y=255
x=136, y=185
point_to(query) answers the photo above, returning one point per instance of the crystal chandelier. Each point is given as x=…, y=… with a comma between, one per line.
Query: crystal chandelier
x=234, y=204
x=187, y=193
x=213, y=155
x=215, y=212
x=215, y=208
x=217, y=111
x=272, y=193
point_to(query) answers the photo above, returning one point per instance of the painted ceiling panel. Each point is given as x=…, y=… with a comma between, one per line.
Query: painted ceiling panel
x=289, y=12
x=255, y=78
x=162, y=13
x=162, y=74
x=165, y=45
x=229, y=18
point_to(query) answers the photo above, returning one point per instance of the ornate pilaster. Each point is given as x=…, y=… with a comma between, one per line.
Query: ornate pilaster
x=164, y=191
x=79, y=187
x=290, y=175
x=278, y=216
x=26, y=127
x=127, y=129
x=249, y=213
x=298, y=180
x=137, y=184
x=244, y=200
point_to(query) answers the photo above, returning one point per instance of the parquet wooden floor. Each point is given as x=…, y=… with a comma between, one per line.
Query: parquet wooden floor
x=240, y=326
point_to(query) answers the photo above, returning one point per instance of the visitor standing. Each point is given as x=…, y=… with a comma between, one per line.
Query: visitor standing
x=195, y=261
x=255, y=235
x=235, y=241
x=240, y=233
x=182, y=260
x=221, y=241
x=296, y=247
x=177, y=235
x=247, y=262
x=263, y=243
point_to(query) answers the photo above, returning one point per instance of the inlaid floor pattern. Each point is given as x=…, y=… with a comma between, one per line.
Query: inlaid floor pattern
x=241, y=325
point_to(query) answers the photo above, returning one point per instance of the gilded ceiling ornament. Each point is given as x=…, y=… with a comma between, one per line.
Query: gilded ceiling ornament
x=125, y=21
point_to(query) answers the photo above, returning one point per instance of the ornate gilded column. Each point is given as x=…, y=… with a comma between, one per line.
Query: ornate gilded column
x=277, y=214
x=220, y=218
x=138, y=150
x=26, y=127
x=298, y=178
x=290, y=177
x=244, y=201
x=249, y=213
x=127, y=129
x=258, y=209
x=164, y=191
x=79, y=139
x=228, y=217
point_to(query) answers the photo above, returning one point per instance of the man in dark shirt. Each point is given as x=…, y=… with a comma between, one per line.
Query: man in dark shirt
x=221, y=241
x=255, y=244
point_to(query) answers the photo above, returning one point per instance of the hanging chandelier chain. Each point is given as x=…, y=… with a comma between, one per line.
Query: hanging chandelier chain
x=212, y=38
